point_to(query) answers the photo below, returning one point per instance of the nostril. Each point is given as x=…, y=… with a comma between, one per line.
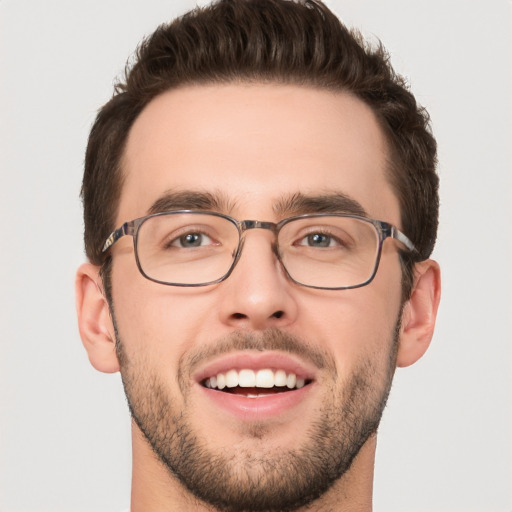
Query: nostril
x=278, y=314
x=238, y=316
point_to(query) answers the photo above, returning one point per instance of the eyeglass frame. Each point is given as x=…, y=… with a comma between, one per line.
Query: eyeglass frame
x=384, y=231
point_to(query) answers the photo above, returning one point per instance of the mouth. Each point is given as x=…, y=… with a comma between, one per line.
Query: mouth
x=255, y=383
x=257, y=386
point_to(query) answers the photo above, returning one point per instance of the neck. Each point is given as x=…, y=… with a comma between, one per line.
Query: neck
x=155, y=488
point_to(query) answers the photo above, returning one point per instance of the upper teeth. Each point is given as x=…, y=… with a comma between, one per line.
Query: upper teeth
x=246, y=378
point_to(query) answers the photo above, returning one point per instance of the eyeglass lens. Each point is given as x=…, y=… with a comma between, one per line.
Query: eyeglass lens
x=192, y=248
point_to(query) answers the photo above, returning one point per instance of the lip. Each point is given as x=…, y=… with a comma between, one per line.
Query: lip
x=257, y=409
x=261, y=408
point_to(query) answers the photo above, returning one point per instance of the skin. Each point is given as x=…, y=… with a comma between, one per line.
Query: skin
x=254, y=145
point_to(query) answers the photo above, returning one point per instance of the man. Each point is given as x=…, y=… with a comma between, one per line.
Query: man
x=260, y=205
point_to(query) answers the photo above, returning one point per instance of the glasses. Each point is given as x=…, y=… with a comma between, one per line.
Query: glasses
x=197, y=248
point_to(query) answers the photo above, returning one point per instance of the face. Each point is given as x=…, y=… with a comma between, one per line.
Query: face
x=250, y=151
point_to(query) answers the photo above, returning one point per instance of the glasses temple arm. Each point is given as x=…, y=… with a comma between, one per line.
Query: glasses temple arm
x=126, y=229
x=398, y=235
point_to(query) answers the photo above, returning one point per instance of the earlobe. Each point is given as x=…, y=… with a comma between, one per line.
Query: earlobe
x=94, y=320
x=420, y=312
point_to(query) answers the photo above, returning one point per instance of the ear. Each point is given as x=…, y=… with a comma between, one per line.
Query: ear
x=94, y=319
x=419, y=313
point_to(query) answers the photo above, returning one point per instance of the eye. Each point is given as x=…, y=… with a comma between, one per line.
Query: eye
x=319, y=240
x=193, y=239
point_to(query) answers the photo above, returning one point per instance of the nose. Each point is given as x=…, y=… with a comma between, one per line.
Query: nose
x=258, y=294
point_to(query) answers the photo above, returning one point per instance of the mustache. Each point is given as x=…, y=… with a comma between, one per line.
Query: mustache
x=268, y=340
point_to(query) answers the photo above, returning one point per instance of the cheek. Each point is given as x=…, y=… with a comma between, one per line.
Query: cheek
x=356, y=325
x=157, y=322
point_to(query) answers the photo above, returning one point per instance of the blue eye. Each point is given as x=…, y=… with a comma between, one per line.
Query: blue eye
x=318, y=240
x=192, y=240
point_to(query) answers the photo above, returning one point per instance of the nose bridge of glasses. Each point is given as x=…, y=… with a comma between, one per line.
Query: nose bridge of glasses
x=245, y=225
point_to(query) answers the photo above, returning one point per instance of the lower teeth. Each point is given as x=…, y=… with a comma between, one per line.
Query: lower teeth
x=255, y=392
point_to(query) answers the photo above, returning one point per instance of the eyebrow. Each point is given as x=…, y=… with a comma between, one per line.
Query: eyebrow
x=191, y=200
x=294, y=204
x=335, y=202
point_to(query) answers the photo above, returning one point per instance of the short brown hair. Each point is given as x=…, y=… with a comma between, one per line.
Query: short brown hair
x=278, y=41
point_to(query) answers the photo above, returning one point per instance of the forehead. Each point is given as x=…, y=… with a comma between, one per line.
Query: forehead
x=254, y=145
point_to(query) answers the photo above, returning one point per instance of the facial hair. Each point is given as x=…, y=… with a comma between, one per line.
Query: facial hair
x=261, y=480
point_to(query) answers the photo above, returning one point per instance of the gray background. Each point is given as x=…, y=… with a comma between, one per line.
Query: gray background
x=445, y=442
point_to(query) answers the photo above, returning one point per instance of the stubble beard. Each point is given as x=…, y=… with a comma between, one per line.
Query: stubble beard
x=239, y=480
